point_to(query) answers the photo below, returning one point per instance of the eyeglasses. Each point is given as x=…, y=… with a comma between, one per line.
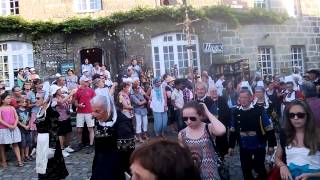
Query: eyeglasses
x=300, y=115
x=191, y=118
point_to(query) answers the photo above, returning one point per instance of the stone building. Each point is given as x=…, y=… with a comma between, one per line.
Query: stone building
x=160, y=44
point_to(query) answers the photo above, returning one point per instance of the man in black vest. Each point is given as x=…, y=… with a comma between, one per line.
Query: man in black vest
x=253, y=128
x=201, y=89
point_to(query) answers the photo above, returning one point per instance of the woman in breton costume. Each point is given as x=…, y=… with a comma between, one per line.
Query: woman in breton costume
x=50, y=163
x=114, y=140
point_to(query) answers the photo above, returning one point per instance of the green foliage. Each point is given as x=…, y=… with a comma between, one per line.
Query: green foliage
x=73, y=25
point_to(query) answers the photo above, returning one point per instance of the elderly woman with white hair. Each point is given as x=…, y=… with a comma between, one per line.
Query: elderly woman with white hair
x=114, y=140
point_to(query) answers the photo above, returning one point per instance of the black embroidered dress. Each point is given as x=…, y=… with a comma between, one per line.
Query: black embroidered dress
x=47, y=123
x=113, y=147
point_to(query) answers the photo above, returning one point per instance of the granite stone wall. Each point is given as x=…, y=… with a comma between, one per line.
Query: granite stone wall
x=134, y=40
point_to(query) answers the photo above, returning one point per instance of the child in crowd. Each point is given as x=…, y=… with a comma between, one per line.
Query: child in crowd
x=24, y=117
x=9, y=132
x=27, y=89
x=141, y=113
x=32, y=125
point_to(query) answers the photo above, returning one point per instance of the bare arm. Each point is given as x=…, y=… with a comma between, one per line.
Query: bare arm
x=16, y=117
x=180, y=139
x=284, y=171
x=215, y=127
x=22, y=125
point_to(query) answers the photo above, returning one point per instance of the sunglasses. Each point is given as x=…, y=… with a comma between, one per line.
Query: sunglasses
x=191, y=118
x=38, y=98
x=299, y=115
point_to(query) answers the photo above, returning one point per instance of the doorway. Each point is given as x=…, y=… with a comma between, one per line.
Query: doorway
x=93, y=55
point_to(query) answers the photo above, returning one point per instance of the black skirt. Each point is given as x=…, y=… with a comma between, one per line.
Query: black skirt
x=56, y=168
x=107, y=165
x=64, y=127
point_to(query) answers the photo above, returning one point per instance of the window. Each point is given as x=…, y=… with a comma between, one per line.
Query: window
x=88, y=5
x=170, y=2
x=156, y=61
x=3, y=47
x=9, y=7
x=168, y=58
x=164, y=2
x=14, y=7
x=4, y=69
x=13, y=56
x=259, y=4
x=265, y=61
x=171, y=49
x=297, y=58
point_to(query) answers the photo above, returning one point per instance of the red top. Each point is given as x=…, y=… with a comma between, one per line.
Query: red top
x=14, y=103
x=84, y=95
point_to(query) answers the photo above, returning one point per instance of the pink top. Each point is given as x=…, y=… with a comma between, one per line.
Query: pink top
x=8, y=115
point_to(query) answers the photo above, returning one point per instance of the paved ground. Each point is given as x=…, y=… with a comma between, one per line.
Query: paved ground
x=79, y=167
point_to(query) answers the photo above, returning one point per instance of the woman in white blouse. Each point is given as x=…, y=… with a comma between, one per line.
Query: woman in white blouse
x=298, y=154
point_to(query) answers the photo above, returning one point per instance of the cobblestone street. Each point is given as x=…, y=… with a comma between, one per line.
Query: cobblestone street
x=79, y=166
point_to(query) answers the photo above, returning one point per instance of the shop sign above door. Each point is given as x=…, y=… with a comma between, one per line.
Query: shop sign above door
x=213, y=48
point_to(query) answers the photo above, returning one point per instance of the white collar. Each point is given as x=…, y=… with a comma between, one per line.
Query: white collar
x=109, y=123
x=202, y=99
x=250, y=107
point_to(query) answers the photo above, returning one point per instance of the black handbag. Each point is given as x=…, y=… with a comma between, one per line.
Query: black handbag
x=223, y=169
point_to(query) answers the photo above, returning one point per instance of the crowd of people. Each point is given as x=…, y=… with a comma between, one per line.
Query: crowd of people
x=279, y=116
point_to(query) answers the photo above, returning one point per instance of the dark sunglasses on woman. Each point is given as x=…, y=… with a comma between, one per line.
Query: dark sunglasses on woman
x=191, y=118
x=300, y=115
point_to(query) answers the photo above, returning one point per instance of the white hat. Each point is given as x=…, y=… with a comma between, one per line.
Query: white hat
x=58, y=75
x=84, y=70
x=32, y=69
x=54, y=89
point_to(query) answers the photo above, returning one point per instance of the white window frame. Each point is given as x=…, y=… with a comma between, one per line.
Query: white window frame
x=297, y=57
x=265, y=61
x=5, y=6
x=19, y=55
x=171, y=40
x=260, y=4
x=83, y=6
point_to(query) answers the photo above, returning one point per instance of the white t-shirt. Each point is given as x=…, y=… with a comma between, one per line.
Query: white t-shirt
x=102, y=92
x=177, y=97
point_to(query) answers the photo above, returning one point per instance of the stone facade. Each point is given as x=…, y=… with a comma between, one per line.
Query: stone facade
x=135, y=39
x=58, y=10
x=242, y=42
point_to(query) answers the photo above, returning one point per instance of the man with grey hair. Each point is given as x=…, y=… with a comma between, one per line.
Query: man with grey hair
x=309, y=91
x=114, y=140
x=201, y=90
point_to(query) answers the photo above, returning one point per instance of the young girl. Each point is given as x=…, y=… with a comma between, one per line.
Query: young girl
x=24, y=117
x=9, y=132
x=32, y=125
x=27, y=88
x=196, y=136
